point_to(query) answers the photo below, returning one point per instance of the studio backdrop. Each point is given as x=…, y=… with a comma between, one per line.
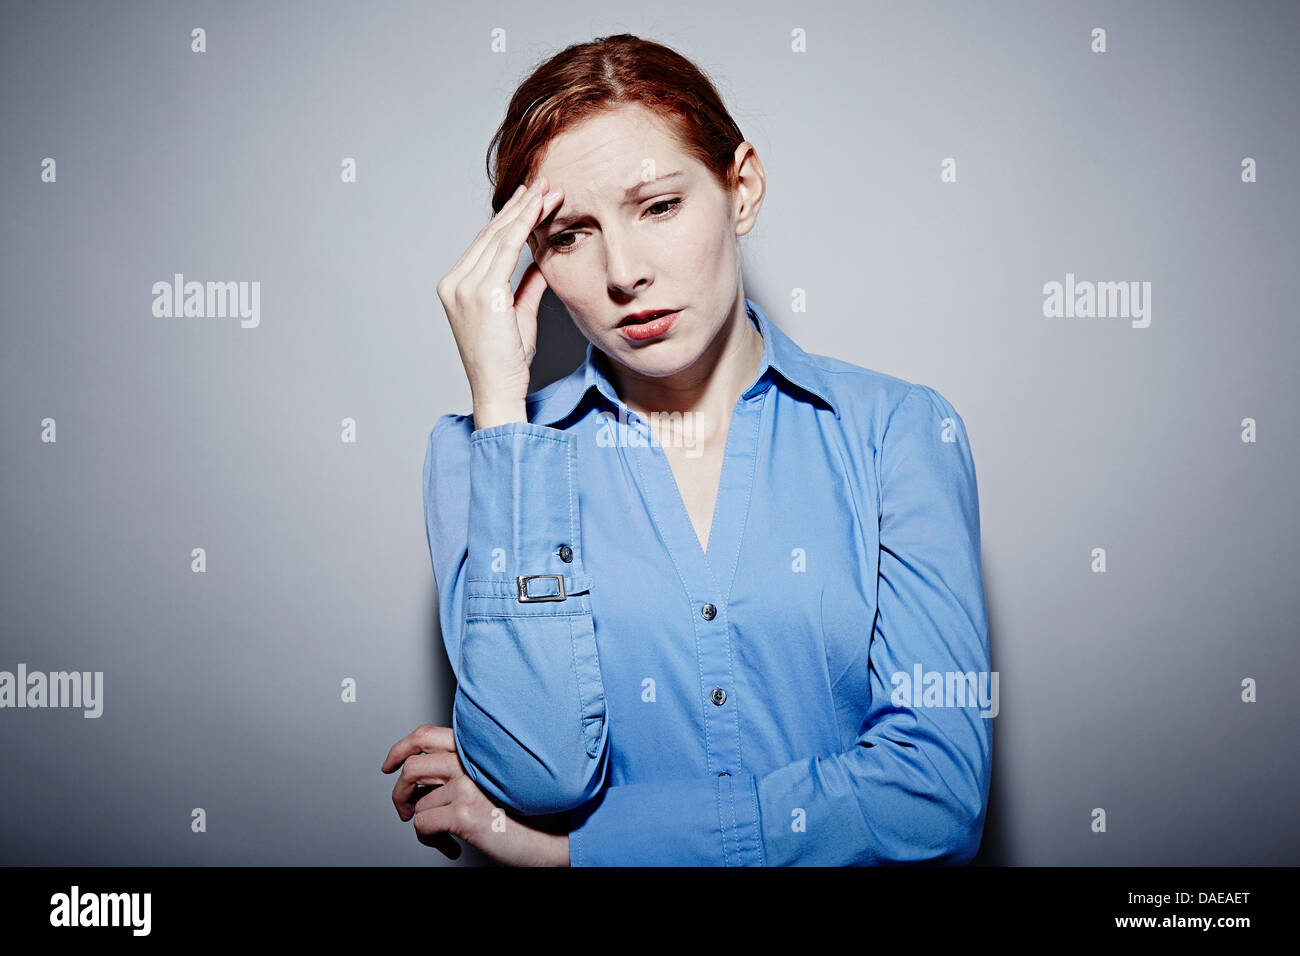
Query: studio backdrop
x=1077, y=222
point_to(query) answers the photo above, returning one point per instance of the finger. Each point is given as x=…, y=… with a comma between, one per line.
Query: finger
x=430, y=798
x=484, y=242
x=513, y=231
x=550, y=203
x=423, y=770
x=528, y=296
x=423, y=739
x=419, y=773
x=432, y=829
x=475, y=248
x=501, y=258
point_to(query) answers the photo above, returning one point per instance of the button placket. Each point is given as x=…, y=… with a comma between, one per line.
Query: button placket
x=705, y=585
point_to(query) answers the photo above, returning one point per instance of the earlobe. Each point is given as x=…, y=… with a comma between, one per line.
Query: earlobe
x=746, y=211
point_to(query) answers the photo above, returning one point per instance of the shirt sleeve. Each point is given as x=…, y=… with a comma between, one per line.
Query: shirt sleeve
x=501, y=505
x=914, y=786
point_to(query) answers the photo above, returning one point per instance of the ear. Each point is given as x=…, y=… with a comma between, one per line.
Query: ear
x=751, y=187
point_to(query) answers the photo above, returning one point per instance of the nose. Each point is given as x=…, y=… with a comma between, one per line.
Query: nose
x=627, y=268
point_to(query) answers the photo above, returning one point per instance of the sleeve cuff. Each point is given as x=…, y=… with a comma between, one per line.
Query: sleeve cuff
x=710, y=822
x=525, y=536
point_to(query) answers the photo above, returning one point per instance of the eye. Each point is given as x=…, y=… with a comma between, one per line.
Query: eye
x=555, y=241
x=670, y=206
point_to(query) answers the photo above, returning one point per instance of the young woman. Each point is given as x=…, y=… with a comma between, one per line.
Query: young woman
x=710, y=599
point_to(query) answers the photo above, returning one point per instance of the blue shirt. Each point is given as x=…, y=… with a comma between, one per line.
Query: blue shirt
x=803, y=693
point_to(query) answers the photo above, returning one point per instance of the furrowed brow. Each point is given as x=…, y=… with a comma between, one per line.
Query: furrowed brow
x=630, y=195
x=632, y=192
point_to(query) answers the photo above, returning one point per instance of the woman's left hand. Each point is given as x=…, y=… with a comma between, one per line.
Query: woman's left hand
x=457, y=807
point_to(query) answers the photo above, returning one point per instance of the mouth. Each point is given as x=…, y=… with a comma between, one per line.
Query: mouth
x=640, y=318
x=648, y=326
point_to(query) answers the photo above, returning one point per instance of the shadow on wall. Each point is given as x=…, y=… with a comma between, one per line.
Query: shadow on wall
x=993, y=849
x=560, y=346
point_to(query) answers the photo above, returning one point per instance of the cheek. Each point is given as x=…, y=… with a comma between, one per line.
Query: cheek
x=701, y=253
x=565, y=279
x=573, y=285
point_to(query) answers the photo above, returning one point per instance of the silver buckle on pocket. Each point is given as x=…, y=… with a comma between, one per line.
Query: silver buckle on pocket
x=526, y=598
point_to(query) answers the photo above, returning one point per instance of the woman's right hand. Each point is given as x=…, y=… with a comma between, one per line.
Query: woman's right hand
x=495, y=330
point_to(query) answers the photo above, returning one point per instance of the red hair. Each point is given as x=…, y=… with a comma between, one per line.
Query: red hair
x=586, y=78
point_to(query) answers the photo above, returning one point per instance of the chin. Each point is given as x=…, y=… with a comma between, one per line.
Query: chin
x=664, y=361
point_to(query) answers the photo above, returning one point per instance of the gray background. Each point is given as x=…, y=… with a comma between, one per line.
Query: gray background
x=1118, y=690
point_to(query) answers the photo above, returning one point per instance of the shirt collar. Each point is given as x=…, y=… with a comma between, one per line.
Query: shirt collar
x=780, y=354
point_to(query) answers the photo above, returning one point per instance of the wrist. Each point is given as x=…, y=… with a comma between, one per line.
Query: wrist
x=486, y=415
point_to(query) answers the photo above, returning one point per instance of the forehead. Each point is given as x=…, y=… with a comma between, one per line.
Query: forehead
x=611, y=149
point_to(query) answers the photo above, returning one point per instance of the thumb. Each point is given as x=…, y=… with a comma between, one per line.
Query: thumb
x=528, y=296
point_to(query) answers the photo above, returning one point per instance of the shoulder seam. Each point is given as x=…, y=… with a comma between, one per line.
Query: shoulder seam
x=911, y=388
x=880, y=450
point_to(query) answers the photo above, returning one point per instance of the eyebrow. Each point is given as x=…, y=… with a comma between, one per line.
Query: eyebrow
x=630, y=195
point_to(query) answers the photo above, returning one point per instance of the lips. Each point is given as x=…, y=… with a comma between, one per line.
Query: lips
x=638, y=318
x=650, y=329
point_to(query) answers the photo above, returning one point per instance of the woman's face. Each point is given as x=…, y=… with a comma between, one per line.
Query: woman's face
x=621, y=242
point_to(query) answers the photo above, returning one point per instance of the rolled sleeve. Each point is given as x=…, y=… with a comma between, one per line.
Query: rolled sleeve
x=501, y=505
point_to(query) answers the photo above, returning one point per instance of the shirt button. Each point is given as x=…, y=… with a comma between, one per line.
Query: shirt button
x=708, y=612
x=724, y=774
x=719, y=696
x=566, y=554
